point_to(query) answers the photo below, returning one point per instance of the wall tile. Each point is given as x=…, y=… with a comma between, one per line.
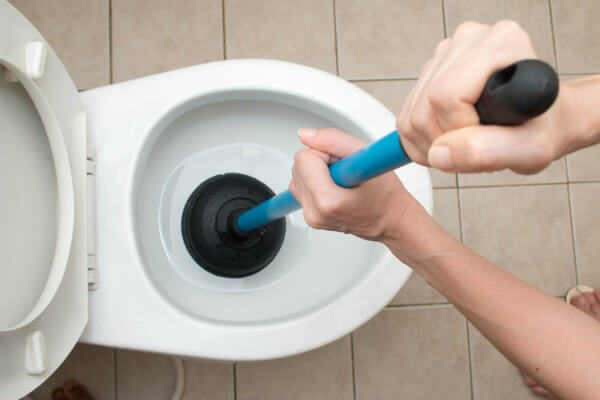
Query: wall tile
x=296, y=31
x=77, y=30
x=577, y=33
x=386, y=38
x=586, y=223
x=152, y=36
x=325, y=373
x=525, y=230
x=412, y=353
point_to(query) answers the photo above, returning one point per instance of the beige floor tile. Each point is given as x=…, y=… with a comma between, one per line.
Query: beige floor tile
x=412, y=353
x=556, y=172
x=532, y=15
x=325, y=373
x=152, y=36
x=208, y=380
x=577, y=35
x=152, y=376
x=445, y=212
x=584, y=165
x=526, y=230
x=494, y=377
x=392, y=95
x=386, y=38
x=297, y=31
x=77, y=30
x=586, y=227
x=93, y=366
x=441, y=179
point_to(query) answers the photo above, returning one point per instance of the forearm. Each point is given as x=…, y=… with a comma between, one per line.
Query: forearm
x=584, y=101
x=551, y=341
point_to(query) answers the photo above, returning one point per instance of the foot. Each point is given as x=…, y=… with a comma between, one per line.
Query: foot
x=589, y=303
x=71, y=390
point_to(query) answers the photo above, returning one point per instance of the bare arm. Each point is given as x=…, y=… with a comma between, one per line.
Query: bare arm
x=552, y=342
x=556, y=344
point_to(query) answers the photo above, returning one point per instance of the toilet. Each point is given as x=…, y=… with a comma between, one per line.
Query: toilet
x=93, y=189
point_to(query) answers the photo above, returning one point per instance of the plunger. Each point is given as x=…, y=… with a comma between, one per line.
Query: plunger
x=233, y=224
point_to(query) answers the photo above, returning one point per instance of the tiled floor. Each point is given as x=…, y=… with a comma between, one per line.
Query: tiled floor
x=543, y=228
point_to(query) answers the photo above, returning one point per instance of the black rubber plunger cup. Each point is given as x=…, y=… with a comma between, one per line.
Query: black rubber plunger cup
x=211, y=235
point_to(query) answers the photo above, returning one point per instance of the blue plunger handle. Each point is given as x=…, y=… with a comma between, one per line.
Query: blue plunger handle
x=511, y=96
x=379, y=157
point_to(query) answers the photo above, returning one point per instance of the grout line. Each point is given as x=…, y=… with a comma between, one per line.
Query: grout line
x=444, y=187
x=470, y=359
x=573, y=237
x=553, y=35
x=512, y=185
x=422, y=305
x=335, y=41
x=579, y=74
x=223, y=23
x=381, y=79
x=585, y=182
x=460, y=224
x=572, y=222
x=110, y=43
x=115, y=371
x=460, y=230
x=444, y=18
x=234, y=381
x=353, y=368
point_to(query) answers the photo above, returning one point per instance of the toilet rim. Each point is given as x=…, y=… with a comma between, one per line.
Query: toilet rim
x=370, y=294
x=65, y=194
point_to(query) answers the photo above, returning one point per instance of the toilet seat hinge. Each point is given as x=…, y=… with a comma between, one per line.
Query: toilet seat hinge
x=92, y=266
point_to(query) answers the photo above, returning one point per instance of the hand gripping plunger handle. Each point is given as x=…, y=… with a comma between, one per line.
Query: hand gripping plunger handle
x=511, y=96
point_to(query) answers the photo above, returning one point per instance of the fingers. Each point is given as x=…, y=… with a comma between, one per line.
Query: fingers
x=310, y=171
x=331, y=141
x=492, y=148
x=456, y=89
x=313, y=187
x=442, y=101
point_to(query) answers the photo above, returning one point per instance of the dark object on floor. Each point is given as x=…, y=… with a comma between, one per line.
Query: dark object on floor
x=71, y=390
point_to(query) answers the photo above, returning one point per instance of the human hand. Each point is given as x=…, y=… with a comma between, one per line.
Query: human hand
x=368, y=211
x=439, y=125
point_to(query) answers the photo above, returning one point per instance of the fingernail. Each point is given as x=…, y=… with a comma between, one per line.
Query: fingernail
x=439, y=157
x=306, y=133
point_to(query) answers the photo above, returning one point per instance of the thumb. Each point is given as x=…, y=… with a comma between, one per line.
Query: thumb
x=489, y=148
x=331, y=141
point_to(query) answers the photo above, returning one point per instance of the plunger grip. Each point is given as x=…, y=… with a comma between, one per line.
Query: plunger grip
x=511, y=96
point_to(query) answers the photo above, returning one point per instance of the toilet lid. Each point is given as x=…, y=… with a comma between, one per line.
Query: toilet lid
x=42, y=168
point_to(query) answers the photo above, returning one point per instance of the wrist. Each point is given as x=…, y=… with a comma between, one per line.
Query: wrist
x=415, y=238
x=580, y=119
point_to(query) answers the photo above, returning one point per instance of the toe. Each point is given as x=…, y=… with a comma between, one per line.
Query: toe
x=540, y=391
x=530, y=382
x=76, y=391
x=581, y=302
x=59, y=394
x=594, y=300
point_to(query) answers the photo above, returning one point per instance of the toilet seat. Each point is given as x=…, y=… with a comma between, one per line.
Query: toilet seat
x=43, y=262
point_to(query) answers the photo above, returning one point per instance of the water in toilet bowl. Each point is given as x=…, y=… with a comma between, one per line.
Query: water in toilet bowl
x=252, y=134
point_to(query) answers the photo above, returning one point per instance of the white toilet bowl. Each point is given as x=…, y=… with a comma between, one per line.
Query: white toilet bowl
x=150, y=142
